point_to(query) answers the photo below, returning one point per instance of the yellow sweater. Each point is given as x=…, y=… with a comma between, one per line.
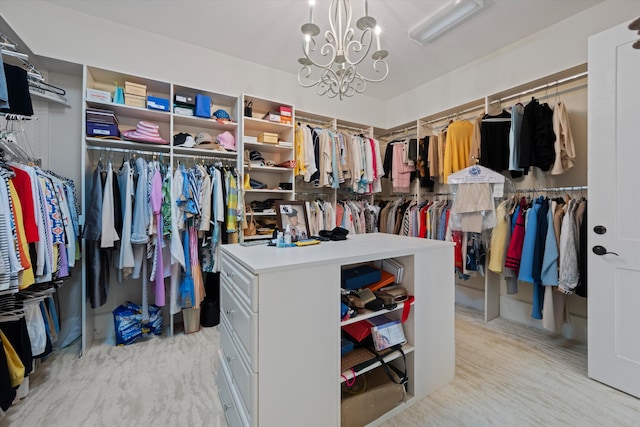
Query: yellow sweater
x=457, y=148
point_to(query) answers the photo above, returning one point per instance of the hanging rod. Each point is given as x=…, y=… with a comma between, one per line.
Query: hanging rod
x=11, y=116
x=542, y=87
x=345, y=127
x=548, y=189
x=400, y=131
x=458, y=113
x=15, y=54
x=126, y=150
x=201, y=157
x=310, y=120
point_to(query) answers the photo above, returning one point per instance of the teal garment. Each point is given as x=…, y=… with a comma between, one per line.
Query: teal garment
x=550, y=259
x=529, y=245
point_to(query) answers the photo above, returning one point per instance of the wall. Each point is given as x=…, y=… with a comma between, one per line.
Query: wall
x=93, y=41
x=559, y=47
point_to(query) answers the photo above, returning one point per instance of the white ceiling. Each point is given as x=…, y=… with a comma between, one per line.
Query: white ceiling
x=268, y=31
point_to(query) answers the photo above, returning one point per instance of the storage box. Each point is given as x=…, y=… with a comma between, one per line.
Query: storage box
x=135, y=100
x=272, y=117
x=346, y=346
x=270, y=138
x=285, y=112
x=155, y=103
x=135, y=89
x=359, y=277
x=183, y=111
x=102, y=129
x=96, y=95
x=285, y=120
x=97, y=115
x=191, y=318
x=250, y=139
x=184, y=99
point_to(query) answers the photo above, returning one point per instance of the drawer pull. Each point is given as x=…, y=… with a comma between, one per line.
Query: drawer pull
x=229, y=312
x=229, y=274
x=227, y=407
x=229, y=359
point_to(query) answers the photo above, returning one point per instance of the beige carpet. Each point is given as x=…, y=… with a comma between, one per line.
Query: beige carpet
x=506, y=375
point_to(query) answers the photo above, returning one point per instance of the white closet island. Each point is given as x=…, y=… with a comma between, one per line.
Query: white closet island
x=280, y=328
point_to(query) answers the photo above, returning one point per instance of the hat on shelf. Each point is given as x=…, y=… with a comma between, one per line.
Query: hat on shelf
x=145, y=132
x=222, y=116
x=205, y=141
x=203, y=137
x=183, y=139
x=227, y=141
x=256, y=158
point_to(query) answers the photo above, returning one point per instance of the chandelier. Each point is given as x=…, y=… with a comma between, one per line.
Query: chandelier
x=333, y=67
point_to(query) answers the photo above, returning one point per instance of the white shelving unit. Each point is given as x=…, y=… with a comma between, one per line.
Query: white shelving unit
x=98, y=323
x=271, y=176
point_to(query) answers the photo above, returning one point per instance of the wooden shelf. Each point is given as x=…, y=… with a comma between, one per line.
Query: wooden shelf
x=254, y=124
x=261, y=214
x=195, y=151
x=266, y=148
x=368, y=314
x=129, y=111
x=253, y=190
x=268, y=169
x=201, y=122
x=126, y=145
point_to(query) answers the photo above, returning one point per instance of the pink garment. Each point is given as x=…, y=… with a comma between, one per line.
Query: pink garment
x=156, y=205
x=400, y=171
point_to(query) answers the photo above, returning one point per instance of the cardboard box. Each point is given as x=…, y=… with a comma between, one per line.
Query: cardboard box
x=359, y=277
x=272, y=117
x=183, y=111
x=379, y=397
x=102, y=129
x=135, y=100
x=250, y=139
x=135, y=89
x=96, y=95
x=285, y=120
x=96, y=115
x=184, y=99
x=155, y=103
x=270, y=138
x=285, y=111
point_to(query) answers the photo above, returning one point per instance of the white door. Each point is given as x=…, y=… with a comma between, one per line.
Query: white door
x=614, y=203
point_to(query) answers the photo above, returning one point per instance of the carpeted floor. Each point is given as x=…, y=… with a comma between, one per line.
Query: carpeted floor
x=506, y=375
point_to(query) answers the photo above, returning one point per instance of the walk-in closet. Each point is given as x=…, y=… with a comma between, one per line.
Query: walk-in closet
x=319, y=213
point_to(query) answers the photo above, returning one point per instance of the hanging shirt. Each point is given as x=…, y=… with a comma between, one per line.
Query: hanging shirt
x=457, y=148
x=564, y=147
x=156, y=206
x=109, y=233
x=517, y=112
